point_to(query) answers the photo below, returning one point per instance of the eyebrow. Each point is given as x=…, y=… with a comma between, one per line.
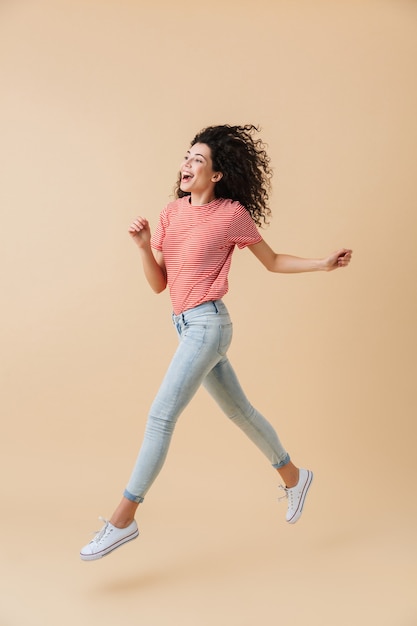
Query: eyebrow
x=198, y=154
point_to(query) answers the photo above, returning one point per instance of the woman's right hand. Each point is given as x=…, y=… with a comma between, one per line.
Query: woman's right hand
x=140, y=232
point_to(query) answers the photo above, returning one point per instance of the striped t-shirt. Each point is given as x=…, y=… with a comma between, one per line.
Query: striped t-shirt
x=197, y=243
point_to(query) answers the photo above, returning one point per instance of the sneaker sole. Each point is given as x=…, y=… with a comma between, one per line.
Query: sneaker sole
x=114, y=546
x=299, y=510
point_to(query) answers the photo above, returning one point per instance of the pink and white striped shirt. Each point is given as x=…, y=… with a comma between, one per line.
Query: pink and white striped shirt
x=197, y=243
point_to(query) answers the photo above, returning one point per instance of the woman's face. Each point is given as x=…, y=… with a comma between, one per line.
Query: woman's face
x=197, y=173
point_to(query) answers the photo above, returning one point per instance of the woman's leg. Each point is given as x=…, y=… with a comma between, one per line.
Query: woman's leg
x=204, y=338
x=223, y=385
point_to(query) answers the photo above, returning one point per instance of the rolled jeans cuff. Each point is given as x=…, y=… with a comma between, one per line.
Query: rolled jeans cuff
x=282, y=463
x=132, y=498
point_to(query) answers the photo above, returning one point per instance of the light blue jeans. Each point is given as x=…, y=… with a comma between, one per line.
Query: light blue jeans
x=205, y=334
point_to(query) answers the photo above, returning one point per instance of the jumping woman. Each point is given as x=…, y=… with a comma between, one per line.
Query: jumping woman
x=221, y=198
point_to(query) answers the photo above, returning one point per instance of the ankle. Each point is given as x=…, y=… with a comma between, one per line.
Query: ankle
x=290, y=474
x=293, y=482
x=121, y=522
x=124, y=514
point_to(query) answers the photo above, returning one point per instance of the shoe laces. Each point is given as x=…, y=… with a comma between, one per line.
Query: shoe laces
x=99, y=534
x=285, y=496
x=289, y=494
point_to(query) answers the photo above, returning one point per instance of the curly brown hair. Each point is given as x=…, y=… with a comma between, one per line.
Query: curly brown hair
x=244, y=164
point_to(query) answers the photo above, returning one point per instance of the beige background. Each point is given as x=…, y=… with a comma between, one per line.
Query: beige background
x=98, y=102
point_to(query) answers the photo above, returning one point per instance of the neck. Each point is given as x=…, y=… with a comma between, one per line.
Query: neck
x=199, y=199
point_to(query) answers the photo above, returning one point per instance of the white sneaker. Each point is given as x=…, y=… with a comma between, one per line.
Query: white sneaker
x=108, y=539
x=296, y=496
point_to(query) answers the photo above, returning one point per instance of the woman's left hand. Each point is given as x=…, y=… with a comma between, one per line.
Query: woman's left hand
x=340, y=258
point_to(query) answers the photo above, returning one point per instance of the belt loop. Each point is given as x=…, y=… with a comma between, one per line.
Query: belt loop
x=183, y=318
x=215, y=307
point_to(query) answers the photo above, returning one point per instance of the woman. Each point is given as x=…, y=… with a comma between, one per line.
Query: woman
x=221, y=197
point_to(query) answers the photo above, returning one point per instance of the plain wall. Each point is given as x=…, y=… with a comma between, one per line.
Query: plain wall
x=98, y=102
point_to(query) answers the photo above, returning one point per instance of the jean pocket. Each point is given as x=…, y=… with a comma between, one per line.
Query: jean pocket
x=225, y=337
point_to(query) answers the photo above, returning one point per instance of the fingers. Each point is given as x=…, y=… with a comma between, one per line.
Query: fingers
x=343, y=258
x=139, y=224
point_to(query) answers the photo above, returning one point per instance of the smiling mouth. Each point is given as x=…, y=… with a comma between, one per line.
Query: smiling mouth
x=186, y=177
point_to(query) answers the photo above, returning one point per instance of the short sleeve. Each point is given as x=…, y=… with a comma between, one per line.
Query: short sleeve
x=242, y=230
x=158, y=236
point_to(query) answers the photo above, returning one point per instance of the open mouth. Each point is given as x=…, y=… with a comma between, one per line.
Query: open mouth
x=186, y=177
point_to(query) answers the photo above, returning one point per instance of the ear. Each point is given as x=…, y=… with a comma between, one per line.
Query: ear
x=216, y=177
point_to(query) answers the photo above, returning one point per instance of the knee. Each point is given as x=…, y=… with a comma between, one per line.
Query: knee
x=160, y=424
x=241, y=413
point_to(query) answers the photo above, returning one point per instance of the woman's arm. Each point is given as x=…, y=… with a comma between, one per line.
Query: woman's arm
x=287, y=264
x=153, y=265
